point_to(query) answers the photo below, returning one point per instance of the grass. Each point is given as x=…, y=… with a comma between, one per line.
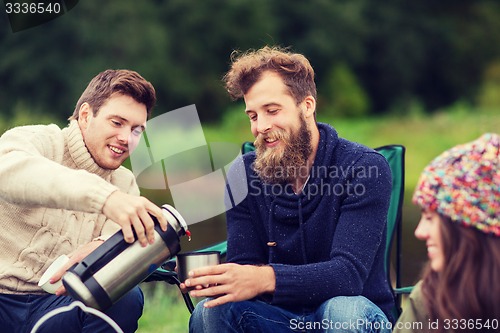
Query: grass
x=164, y=309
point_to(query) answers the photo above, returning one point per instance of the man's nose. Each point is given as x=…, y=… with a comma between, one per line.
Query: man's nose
x=123, y=134
x=263, y=124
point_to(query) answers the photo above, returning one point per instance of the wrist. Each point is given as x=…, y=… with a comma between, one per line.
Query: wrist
x=268, y=279
x=100, y=239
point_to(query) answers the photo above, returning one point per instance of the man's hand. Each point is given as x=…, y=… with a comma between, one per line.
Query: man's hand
x=132, y=211
x=230, y=282
x=74, y=257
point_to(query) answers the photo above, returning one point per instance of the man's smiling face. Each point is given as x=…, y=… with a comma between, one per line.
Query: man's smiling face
x=115, y=131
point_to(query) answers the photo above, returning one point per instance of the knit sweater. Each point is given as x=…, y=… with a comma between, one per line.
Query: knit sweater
x=328, y=240
x=51, y=198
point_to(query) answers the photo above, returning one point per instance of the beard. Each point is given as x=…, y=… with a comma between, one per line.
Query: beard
x=283, y=164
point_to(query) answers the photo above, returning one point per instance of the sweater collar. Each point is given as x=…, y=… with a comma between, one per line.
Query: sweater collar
x=328, y=139
x=284, y=198
x=79, y=152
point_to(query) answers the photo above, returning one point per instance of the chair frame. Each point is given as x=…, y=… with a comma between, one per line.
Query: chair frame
x=395, y=155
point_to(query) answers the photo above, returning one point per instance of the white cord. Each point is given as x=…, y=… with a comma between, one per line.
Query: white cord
x=82, y=306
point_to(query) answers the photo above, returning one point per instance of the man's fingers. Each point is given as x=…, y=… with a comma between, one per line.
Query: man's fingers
x=208, y=290
x=218, y=301
x=149, y=226
x=133, y=213
x=61, y=291
x=158, y=213
x=210, y=270
x=128, y=235
x=139, y=230
x=59, y=274
x=205, y=281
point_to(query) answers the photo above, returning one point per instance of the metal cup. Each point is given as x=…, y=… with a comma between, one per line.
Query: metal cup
x=192, y=260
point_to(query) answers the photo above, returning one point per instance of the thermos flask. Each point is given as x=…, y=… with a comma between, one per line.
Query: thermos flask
x=116, y=266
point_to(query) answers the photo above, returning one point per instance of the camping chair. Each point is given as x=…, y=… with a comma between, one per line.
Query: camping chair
x=394, y=155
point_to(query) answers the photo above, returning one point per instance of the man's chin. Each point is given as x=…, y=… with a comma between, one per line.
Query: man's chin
x=271, y=154
x=113, y=165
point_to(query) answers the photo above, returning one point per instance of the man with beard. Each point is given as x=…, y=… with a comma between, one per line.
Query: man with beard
x=306, y=244
x=63, y=193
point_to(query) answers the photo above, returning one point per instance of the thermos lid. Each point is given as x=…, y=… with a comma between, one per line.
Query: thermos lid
x=177, y=216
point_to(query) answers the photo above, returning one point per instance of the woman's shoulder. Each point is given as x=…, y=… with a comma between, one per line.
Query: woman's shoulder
x=414, y=317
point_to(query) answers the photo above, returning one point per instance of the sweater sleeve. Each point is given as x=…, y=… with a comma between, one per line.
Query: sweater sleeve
x=30, y=175
x=359, y=237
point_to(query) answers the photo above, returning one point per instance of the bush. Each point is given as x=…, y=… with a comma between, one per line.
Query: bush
x=344, y=96
x=488, y=98
x=23, y=116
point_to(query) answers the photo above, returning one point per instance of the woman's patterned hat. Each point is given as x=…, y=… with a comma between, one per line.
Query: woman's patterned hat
x=463, y=183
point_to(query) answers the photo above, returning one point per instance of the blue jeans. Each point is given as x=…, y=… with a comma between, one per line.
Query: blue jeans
x=338, y=314
x=20, y=313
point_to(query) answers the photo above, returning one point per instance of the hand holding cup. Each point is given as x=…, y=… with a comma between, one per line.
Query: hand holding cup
x=188, y=261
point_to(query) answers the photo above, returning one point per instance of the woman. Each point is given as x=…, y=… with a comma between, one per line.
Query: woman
x=459, y=193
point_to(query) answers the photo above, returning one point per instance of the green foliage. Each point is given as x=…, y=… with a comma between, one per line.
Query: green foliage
x=408, y=106
x=489, y=93
x=24, y=116
x=424, y=136
x=428, y=51
x=343, y=95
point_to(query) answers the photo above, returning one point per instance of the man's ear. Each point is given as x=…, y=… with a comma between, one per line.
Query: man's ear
x=84, y=115
x=309, y=106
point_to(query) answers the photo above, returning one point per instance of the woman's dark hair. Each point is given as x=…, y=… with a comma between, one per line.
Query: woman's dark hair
x=468, y=285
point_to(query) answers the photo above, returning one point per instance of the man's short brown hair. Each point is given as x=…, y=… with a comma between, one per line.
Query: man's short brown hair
x=247, y=68
x=122, y=81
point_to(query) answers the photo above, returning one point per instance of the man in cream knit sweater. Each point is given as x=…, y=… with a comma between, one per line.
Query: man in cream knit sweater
x=64, y=191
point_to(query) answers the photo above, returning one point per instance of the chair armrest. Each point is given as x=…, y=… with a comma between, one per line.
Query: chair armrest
x=403, y=290
x=161, y=274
